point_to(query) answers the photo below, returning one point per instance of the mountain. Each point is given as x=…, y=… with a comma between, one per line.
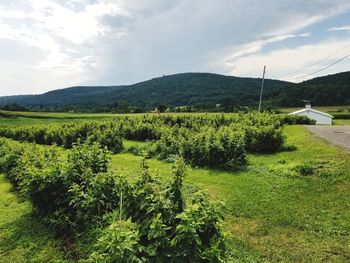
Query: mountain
x=193, y=89
x=175, y=90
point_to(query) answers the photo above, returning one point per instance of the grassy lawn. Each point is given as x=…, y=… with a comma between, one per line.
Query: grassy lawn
x=15, y=119
x=341, y=122
x=23, y=238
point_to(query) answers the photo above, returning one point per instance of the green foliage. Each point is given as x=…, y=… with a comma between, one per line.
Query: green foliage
x=221, y=148
x=68, y=134
x=155, y=220
x=296, y=119
x=9, y=161
x=197, y=236
x=108, y=138
x=263, y=139
x=119, y=243
x=219, y=141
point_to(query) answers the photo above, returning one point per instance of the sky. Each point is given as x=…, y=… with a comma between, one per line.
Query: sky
x=51, y=44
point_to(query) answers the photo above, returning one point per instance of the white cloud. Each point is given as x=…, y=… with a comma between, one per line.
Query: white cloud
x=57, y=32
x=292, y=64
x=341, y=28
x=257, y=45
x=76, y=27
x=13, y=14
x=58, y=43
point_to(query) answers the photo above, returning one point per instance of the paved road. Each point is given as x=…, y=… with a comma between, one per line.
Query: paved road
x=337, y=135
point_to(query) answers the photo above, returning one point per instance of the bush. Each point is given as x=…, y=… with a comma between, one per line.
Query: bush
x=295, y=119
x=108, y=138
x=9, y=162
x=263, y=139
x=222, y=148
x=197, y=236
x=119, y=243
x=155, y=222
x=345, y=116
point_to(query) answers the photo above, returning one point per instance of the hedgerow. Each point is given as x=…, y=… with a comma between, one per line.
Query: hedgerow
x=67, y=135
x=219, y=140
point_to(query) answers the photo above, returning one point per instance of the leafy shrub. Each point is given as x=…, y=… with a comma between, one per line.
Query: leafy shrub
x=221, y=148
x=296, y=119
x=345, y=116
x=9, y=162
x=263, y=139
x=197, y=236
x=168, y=145
x=119, y=243
x=156, y=223
x=108, y=138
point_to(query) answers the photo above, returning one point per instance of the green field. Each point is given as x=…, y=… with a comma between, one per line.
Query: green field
x=272, y=213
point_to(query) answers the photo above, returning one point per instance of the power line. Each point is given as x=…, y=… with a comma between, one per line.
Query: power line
x=313, y=64
x=330, y=65
x=323, y=59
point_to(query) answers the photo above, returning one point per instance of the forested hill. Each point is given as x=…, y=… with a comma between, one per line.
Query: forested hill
x=173, y=90
x=322, y=91
x=192, y=89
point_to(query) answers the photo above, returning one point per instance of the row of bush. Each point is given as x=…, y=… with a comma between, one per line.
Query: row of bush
x=219, y=140
x=144, y=127
x=67, y=135
x=146, y=221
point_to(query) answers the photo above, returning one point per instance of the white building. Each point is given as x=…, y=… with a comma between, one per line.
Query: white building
x=319, y=116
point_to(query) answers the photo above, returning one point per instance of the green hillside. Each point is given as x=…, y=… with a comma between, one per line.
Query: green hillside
x=322, y=91
x=203, y=89
x=174, y=90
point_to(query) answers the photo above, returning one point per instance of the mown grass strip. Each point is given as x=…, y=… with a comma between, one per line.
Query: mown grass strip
x=23, y=238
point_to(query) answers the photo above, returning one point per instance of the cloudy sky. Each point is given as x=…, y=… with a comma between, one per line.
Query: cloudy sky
x=50, y=44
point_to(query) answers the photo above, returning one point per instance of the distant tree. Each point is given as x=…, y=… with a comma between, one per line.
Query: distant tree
x=138, y=110
x=228, y=104
x=14, y=107
x=162, y=108
x=122, y=106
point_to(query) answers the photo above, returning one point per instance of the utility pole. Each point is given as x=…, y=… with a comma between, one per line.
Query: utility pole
x=262, y=87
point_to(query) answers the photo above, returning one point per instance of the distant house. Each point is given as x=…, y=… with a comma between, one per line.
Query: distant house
x=319, y=116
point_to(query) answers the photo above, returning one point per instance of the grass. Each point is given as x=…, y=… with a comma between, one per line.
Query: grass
x=341, y=122
x=270, y=210
x=23, y=238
